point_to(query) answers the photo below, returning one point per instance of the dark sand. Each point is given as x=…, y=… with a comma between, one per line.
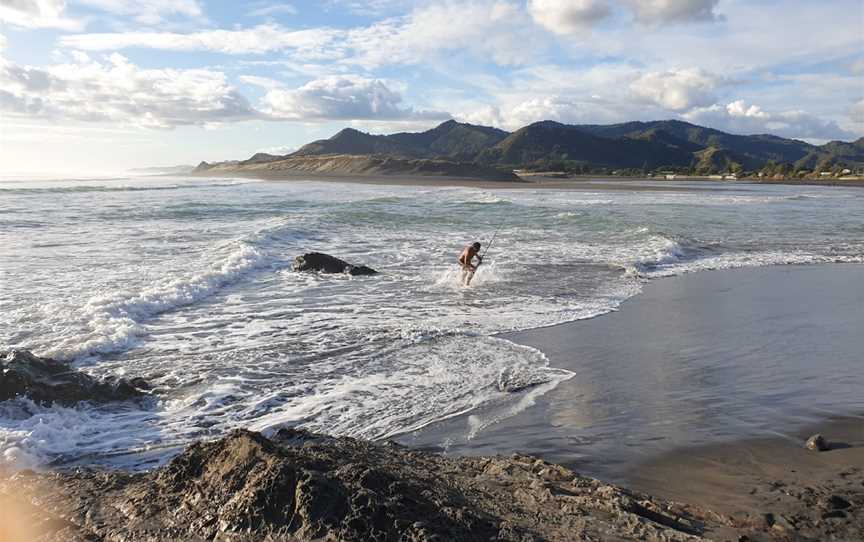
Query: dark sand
x=576, y=182
x=530, y=183
x=702, y=389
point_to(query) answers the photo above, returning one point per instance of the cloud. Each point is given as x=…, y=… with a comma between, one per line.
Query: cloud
x=656, y=12
x=515, y=114
x=677, y=90
x=256, y=40
x=263, y=82
x=856, y=111
x=38, y=14
x=147, y=11
x=495, y=30
x=739, y=117
x=568, y=16
x=490, y=30
x=343, y=97
x=273, y=9
x=279, y=150
x=116, y=90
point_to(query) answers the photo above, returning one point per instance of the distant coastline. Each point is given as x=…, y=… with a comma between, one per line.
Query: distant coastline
x=660, y=150
x=525, y=181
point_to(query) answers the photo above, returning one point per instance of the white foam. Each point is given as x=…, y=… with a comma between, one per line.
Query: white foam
x=413, y=386
x=115, y=319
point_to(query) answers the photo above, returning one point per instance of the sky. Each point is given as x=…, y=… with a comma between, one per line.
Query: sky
x=105, y=85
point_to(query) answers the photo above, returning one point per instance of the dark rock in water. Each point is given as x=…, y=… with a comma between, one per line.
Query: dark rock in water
x=817, y=443
x=324, y=263
x=45, y=380
x=300, y=486
x=511, y=381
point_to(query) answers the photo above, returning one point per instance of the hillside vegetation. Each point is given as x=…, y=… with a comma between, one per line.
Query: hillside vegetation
x=461, y=149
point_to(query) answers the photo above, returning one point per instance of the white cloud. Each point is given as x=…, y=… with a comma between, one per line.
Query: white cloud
x=568, y=16
x=118, y=91
x=38, y=14
x=495, y=30
x=514, y=114
x=263, y=82
x=677, y=90
x=273, y=9
x=673, y=11
x=739, y=117
x=147, y=11
x=256, y=40
x=279, y=150
x=344, y=97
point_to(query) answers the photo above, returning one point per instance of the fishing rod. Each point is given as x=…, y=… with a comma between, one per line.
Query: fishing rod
x=494, y=235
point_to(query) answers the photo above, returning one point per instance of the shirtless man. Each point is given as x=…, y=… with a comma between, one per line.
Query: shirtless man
x=465, y=260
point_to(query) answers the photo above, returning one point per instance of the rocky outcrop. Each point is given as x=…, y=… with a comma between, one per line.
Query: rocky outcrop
x=301, y=486
x=45, y=380
x=324, y=263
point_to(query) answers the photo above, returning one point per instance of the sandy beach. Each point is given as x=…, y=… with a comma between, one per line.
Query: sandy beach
x=576, y=182
x=592, y=183
x=703, y=389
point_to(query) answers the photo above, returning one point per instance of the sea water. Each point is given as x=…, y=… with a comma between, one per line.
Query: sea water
x=188, y=283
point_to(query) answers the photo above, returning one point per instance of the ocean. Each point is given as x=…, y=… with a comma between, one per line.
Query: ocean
x=187, y=282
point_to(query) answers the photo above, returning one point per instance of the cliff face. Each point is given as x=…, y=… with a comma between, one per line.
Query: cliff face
x=343, y=164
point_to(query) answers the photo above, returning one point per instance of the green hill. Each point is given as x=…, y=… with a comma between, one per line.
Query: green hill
x=547, y=145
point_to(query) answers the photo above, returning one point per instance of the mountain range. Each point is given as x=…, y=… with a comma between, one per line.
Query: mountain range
x=670, y=145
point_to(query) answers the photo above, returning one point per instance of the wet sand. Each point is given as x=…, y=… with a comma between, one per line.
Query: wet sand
x=776, y=474
x=529, y=183
x=702, y=389
x=576, y=182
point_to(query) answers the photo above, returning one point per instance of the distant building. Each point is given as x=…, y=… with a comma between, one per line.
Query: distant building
x=825, y=174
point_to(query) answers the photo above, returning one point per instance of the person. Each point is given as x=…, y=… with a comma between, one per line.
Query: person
x=466, y=261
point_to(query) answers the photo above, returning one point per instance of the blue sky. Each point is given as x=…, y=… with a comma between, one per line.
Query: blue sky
x=100, y=85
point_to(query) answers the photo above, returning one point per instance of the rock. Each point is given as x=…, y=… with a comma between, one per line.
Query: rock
x=46, y=381
x=835, y=502
x=324, y=263
x=817, y=443
x=516, y=380
x=302, y=487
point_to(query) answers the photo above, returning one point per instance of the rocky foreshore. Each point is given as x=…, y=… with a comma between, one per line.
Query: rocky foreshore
x=48, y=381
x=299, y=486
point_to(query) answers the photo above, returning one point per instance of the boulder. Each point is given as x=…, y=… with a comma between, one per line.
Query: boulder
x=817, y=443
x=46, y=381
x=324, y=263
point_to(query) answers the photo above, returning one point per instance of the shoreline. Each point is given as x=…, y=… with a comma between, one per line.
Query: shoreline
x=606, y=350
x=456, y=182
x=758, y=487
x=575, y=182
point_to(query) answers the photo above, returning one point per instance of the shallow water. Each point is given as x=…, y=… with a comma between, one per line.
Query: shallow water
x=187, y=283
